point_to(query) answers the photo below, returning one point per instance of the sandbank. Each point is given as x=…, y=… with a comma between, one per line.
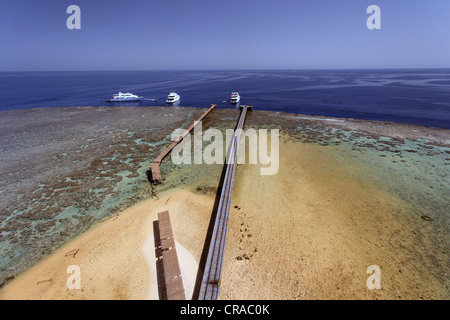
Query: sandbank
x=342, y=200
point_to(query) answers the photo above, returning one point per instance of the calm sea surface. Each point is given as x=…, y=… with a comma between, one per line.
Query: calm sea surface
x=408, y=96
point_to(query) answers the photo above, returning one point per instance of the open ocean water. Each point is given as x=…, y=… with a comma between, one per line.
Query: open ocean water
x=419, y=96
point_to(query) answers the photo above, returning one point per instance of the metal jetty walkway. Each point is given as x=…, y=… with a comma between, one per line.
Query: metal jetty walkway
x=209, y=289
x=154, y=166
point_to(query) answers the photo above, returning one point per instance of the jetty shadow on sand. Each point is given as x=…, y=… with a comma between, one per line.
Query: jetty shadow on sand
x=162, y=292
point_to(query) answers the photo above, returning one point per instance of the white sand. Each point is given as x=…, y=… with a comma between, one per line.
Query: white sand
x=117, y=257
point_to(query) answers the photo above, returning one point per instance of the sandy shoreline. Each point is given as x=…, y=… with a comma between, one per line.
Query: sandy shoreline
x=309, y=232
x=116, y=258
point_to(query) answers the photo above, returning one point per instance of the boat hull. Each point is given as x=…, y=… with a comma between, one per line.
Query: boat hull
x=131, y=99
x=123, y=100
x=235, y=98
x=173, y=101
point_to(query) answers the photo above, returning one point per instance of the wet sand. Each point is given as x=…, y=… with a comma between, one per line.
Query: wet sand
x=348, y=194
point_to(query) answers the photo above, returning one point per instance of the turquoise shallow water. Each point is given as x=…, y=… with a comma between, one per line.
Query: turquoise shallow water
x=415, y=169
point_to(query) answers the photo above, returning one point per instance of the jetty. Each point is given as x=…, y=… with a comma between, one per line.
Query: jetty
x=211, y=276
x=209, y=289
x=154, y=174
x=167, y=259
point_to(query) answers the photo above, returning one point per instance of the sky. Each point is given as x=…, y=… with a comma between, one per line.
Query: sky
x=225, y=34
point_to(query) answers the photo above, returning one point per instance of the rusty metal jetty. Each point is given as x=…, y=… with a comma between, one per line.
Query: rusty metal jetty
x=209, y=289
x=154, y=166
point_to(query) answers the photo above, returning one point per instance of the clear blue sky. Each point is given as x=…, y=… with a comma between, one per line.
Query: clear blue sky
x=227, y=34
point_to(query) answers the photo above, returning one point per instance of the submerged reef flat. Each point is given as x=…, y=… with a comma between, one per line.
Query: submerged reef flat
x=62, y=169
x=348, y=194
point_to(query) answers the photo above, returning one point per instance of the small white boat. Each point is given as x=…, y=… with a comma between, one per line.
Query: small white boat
x=124, y=97
x=235, y=97
x=172, y=97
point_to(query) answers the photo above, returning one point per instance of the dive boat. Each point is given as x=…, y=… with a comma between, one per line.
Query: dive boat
x=172, y=97
x=124, y=97
x=235, y=97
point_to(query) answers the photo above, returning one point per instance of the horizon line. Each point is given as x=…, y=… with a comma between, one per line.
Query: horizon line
x=250, y=69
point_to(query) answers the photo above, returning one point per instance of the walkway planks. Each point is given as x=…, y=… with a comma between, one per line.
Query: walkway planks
x=209, y=289
x=154, y=166
x=171, y=268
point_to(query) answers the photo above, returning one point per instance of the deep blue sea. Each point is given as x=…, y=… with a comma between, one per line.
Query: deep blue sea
x=409, y=96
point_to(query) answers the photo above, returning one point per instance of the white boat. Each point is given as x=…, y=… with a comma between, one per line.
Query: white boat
x=172, y=97
x=235, y=97
x=124, y=97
